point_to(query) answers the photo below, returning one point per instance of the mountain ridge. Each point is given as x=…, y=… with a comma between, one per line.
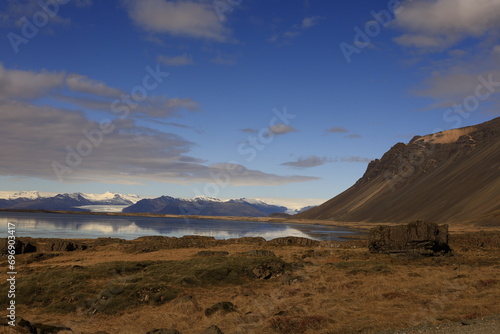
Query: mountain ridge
x=450, y=176
x=115, y=202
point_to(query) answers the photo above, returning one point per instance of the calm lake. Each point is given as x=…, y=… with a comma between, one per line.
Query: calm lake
x=49, y=225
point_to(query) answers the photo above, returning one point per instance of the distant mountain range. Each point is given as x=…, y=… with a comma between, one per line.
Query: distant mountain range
x=114, y=202
x=34, y=200
x=206, y=206
x=447, y=177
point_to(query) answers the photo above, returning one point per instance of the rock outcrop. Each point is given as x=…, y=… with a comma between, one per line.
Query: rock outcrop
x=222, y=307
x=417, y=238
x=293, y=241
x=26, y=245
x=269, y=269
x=26, y=327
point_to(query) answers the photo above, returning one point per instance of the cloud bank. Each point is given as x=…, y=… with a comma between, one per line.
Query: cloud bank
x=314, y=160
x=68, y=144
x=177, y=18
x=443, y=23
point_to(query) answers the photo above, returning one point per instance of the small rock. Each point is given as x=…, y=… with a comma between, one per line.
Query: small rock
x=212, y=253
x=293, y=279
x=164, y=331
x=37, y=328
x=225, y=307
x=268, y=270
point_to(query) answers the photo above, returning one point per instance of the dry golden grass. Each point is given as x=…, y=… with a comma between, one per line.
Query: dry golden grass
x=333, y=288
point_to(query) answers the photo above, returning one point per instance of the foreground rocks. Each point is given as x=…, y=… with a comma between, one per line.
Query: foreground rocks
x=30, y=245
x=26, y=327
x=24, y=245
x=332, y=288
x=223, y=307
x=416, y=238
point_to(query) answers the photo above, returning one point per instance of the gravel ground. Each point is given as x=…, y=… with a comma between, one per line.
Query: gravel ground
x=486, y=325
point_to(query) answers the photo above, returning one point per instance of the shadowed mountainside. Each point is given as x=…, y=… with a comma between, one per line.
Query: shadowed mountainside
x=451, y=176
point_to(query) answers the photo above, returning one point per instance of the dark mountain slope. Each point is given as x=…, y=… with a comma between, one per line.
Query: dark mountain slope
x=451, y=176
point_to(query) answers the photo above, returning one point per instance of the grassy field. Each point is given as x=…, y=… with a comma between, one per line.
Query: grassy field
x=334, y=287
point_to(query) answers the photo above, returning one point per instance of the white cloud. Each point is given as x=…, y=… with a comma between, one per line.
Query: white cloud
x=82, y=84
x=337, y=129
x=241, y=176
x=287, y=37
x=310, y=21
x=442, y=23
x=35, y=136
x=314, y=160
x=177, y=103
x=352, y=159
x=281, y=129
x=224, y=59
x=453, y=86
x=14, y=10
x=181, y=60
x=28, y=85
x=178, y=18
x=311, y=161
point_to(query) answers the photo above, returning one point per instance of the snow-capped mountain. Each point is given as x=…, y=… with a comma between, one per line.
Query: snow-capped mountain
x=34, y=200
x=115, y=202
x=24, y=194
x=104, y=198
x=112, y=198
x=205, y=206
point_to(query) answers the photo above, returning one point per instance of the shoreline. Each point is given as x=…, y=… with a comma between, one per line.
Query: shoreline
x=363, y=227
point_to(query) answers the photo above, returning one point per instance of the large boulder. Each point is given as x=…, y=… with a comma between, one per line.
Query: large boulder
x=416, y=238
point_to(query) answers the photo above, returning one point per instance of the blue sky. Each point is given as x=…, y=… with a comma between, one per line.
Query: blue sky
x=233, y=98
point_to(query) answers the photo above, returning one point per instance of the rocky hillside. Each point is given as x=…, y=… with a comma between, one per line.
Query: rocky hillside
x=450, y=176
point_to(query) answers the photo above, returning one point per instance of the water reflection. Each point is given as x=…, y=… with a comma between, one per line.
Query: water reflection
x=44, y=225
